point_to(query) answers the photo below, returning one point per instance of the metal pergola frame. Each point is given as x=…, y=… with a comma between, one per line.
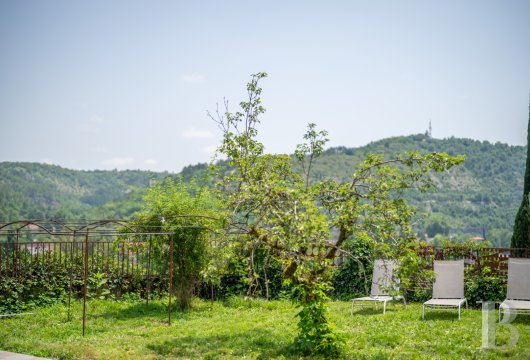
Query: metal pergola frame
x=93, y=229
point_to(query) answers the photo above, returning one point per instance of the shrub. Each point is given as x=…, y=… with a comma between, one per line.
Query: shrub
x=485, y=287
x=353, y=278
x=190, y=213
x=267, y=281
x=48, y=282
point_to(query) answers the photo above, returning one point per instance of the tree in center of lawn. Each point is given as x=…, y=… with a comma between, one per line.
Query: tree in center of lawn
x=305, y=222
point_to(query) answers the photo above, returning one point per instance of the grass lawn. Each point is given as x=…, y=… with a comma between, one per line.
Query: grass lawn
x=252, y=330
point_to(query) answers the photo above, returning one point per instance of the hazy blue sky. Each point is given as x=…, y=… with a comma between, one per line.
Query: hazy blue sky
x=126, y=84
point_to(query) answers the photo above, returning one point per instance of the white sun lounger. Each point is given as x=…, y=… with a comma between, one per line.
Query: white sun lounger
x=518, y=292
x=381, y=281
x=448, y=288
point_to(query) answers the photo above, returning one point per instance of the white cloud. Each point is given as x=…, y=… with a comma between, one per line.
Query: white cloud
x=119, y=161
x=192, y=133
x=47, y=161
x=194, y=78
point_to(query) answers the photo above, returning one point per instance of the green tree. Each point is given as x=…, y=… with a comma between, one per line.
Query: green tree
x=191, y=214
x=436, y=224
x=521, y=226
x=520, y=237
x=305, y=223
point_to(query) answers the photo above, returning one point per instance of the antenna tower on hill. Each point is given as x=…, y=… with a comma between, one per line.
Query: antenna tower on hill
x=429, y=132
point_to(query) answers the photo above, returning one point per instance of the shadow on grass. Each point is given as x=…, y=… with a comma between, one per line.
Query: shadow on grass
x=523, y=319
x=366, y=310
x=140, y=310
x=442, y=315
x=240, y=344
x=155, y=309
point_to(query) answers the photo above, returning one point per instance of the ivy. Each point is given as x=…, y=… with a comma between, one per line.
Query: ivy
x=48, y=282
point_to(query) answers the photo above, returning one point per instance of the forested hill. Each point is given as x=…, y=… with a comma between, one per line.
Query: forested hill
x=480, y=197
x=41, y=191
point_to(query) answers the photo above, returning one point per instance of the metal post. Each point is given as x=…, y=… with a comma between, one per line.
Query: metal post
x=135, y=258
x=30, y=259
x=479, y=265
x=148, y=289
x=48, y=255
x=85, y=282
x=108, y=254
x=122, y=257
x=170, y=276
x=17, y=263
x=71, y=275
x=27, y=262
x=7, y=259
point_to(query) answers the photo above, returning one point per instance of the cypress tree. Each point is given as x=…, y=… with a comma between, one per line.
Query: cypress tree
x=527, y=171
x=520, y=228
x=520, y=237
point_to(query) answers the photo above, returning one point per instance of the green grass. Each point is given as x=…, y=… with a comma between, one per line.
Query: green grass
x=250, y=329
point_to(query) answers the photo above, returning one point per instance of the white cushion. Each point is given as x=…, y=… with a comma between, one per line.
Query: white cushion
x=445, y=302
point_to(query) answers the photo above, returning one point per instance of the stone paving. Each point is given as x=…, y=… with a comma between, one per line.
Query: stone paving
x=4, y=355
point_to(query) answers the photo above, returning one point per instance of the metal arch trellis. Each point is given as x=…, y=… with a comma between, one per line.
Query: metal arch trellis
x=71, y=230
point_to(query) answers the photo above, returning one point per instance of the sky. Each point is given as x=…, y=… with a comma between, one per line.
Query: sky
x=127, y=84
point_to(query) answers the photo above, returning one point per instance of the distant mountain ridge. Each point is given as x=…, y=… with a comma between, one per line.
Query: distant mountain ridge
x=484, y=193
x=42, y=191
